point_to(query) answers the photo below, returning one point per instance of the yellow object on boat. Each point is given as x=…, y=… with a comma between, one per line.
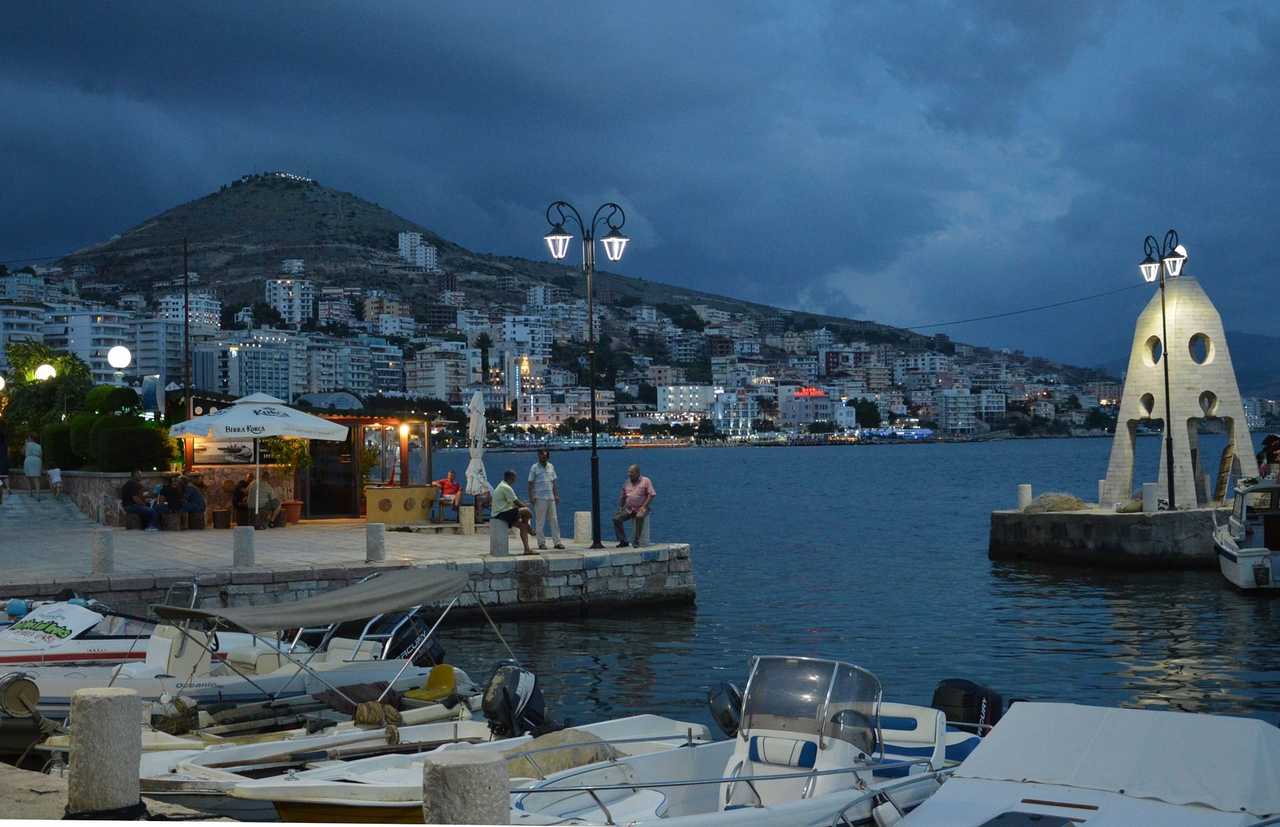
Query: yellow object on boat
x=441, y=683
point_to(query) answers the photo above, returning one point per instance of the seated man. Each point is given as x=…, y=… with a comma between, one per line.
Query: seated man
x=262, y=496
x=450, y=495
x=133, y=501
x=169, y=497
x=192, y=498
x=509, y=512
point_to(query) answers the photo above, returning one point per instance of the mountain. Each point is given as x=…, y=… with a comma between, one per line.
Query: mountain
x=238, y=236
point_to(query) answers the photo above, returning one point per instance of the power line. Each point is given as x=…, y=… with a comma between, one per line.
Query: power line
x=1025, y=309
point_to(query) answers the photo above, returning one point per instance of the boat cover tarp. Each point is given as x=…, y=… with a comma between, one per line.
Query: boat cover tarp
x=390, y=591
x=1229, y=764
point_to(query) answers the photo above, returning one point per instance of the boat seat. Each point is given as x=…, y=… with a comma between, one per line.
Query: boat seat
x=959, y=744
x=774, y=753
x=249, y=658
x=782, y=752
x=172, y=653
x=347, y=648
x=911, y=731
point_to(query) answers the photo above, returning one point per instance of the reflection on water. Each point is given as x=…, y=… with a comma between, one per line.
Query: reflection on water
x=877, y=554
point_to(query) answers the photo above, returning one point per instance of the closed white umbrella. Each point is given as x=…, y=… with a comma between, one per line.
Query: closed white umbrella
x=255, y=416
x=477, y=480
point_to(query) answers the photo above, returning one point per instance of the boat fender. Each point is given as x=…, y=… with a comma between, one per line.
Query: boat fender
x=16, y=608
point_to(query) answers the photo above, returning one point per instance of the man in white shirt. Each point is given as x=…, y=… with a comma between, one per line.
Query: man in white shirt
x=544, y=493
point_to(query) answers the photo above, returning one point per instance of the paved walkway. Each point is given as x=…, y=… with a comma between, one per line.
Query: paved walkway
x=47, y=538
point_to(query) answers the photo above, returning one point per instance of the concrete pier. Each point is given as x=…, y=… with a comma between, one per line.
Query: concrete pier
x=1103, y=538
x=309, y=558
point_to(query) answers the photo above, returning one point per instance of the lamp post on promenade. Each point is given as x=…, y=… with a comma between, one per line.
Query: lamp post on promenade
x=1164, y=261
x=614, y=242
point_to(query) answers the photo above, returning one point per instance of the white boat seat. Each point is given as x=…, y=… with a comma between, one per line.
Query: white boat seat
x=173, y=653
x=911, y=732
x=346, y=648
x=249, y=658
x=782, y=752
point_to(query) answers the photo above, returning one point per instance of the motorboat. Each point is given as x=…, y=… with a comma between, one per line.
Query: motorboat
x=815, y=743
x=388, y=788
x=179, y=660
x=72, y=633
x=1248, y=545
x=1062, y=765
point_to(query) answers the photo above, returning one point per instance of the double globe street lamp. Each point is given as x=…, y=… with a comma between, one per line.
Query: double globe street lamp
x=614, y=242
x=1164, y=260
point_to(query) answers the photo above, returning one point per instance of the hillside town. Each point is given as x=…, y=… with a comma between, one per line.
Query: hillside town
x=676, y=369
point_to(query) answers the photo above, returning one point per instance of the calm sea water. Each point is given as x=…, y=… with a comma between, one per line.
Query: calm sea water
x=877, y=555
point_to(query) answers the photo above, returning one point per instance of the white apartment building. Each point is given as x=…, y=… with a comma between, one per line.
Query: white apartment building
x=956, y=411
x=686, y=346
x=436, y=374
x=158, y=348
x=206, y=310
x=712, y=315
x=389, y=325
x=292, y=267
x=22, y=288
x=991, y=406
x=386, y=365
x=531, y=335
x=293, y=299
x=733, y=413
x=1044, y=409
x=686, y=398
x=551, y=408
x=19, y=323
x=89, y=334
x=418, y=253
x=472, y=323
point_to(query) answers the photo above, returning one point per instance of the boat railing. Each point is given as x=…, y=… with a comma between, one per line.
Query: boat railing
x=841, y=818
x=594, y=790
x=688, y=738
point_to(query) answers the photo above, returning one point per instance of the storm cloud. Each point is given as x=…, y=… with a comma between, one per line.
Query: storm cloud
x=907, y=162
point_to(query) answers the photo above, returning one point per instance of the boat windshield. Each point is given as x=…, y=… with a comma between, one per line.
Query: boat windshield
x=813, y=697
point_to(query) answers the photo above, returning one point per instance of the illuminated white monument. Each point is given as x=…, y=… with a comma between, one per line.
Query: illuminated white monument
x=1202, y=385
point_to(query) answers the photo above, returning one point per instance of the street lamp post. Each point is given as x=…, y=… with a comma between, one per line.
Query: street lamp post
x=558, y=238
x=119, y=358
x=1164, y=261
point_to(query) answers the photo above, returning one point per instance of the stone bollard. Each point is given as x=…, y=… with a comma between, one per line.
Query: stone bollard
x=465, y=787
x=242, y=540
x=1024, y=496
x=467, y=519
x=375, y=542
x=1150, y=497
x=107, y=744
x=1102, y=494
x=103, y=558
x=582, y=528
x=499, y=538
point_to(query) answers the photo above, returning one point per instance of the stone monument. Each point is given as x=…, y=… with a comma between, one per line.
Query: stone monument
x=1202, y=385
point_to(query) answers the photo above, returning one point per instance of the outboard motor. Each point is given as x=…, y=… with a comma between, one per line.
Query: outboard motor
x=513, y=703
x=431, y=654
x=725, y=702
x=966, y=702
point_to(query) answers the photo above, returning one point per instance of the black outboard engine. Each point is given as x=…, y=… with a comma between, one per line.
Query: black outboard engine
x=513, y=703
x=725, y=702
x=966, y=702
x=431, y=654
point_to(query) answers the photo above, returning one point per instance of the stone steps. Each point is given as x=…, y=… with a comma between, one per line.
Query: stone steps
x=22, y=510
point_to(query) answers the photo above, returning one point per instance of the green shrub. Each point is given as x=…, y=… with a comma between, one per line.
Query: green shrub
x=81, y=436
x=55, y=440
x=111, y=399
x=104, y=425
x=126, y=447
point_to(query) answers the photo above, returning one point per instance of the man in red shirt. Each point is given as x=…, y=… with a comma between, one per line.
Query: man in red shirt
x=450, y=494
x=637, y=494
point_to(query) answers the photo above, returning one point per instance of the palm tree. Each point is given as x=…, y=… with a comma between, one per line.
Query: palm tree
x=484, y=343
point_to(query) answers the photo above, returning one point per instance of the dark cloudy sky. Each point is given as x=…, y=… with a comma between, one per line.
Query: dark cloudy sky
x=906, y=162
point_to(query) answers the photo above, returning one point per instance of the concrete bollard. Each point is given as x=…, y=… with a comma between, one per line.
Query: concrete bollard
x=242, y=539
x=1150, y=497
x=1102, y=494
x=467, y=519
x=375, y=542
x=465, y=787
x=499, y=538
x=1024, y=495
x=107, y=744
x=103, y=557
x=582, y=528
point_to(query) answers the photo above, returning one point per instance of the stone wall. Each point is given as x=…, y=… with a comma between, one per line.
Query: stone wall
x=97, y=493
x=568, y=583
x=1161, y=540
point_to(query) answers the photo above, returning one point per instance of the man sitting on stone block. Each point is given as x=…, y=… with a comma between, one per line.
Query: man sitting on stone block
x=637, y=494
x=509, y=512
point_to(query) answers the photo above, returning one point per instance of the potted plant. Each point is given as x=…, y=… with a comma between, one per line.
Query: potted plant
x=295, y=455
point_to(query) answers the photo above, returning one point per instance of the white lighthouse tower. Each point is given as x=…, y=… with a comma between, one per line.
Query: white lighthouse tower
x=1202, y=385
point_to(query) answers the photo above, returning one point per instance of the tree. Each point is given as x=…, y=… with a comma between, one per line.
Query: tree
x=265, y=314
x=822, y=426
x=28, y=404
x=867, y=413
x=1096, y=420
x=647, y=394
x=484, y=342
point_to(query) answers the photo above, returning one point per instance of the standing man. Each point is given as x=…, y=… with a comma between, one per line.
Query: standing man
x=544, y=493
x=637, y=493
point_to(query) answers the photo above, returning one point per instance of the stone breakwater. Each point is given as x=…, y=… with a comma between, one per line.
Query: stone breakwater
x=551, y=583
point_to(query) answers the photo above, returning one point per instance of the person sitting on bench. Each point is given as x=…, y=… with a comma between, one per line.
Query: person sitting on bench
x=132, y=501
x=192, y=498
x=262, y=496
x=450, y=495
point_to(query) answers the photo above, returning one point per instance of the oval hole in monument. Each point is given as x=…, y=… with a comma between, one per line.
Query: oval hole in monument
x=1209, y=403
x=1201, y=347
x=1148, y=403
x=1152, y=350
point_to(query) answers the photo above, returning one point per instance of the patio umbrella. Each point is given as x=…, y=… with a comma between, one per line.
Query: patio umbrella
x=477, y=480
x=256, y=416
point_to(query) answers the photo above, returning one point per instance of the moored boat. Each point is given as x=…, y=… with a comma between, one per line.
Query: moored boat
x=1248, y=545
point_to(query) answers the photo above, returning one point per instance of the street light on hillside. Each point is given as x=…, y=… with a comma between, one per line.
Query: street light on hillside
x=1164, y=261
x=614, y=242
